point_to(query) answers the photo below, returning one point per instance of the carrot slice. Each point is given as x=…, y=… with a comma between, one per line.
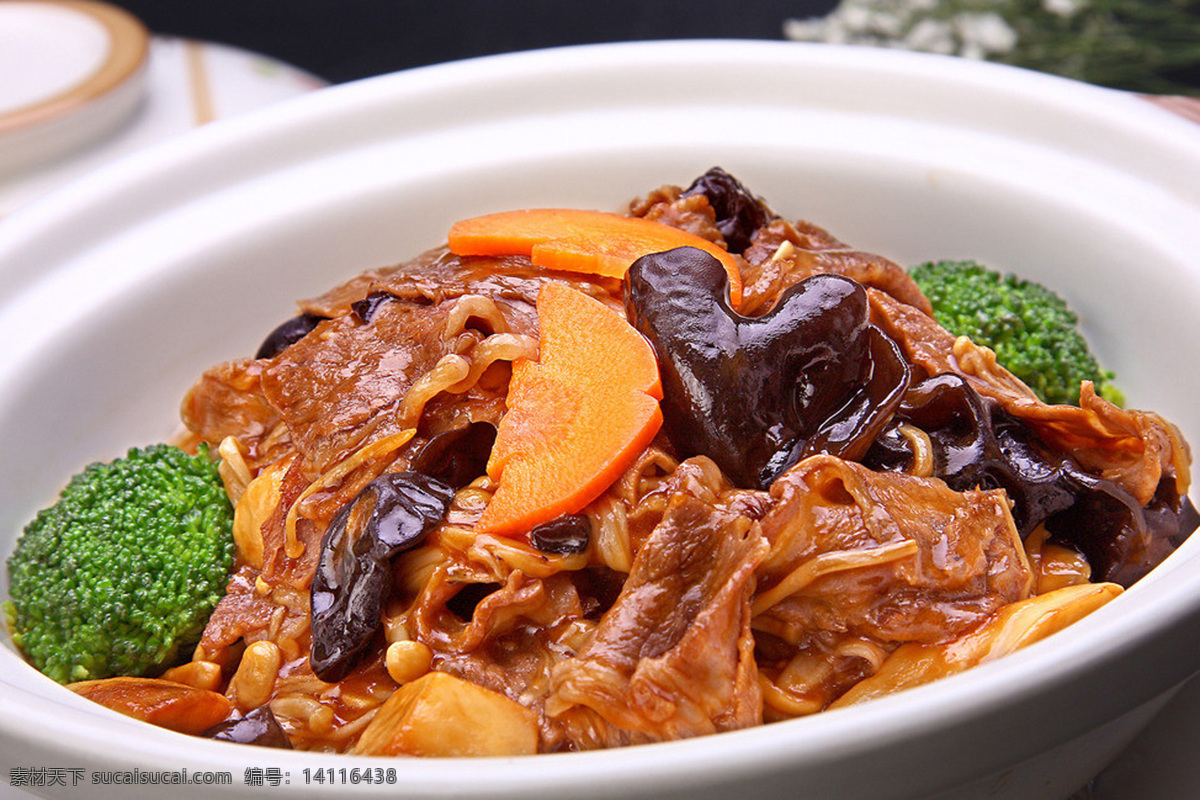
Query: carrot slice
x=580, y=241
x=576, y=418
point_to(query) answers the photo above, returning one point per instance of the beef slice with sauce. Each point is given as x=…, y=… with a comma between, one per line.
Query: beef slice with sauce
x=501, y=633
x=438, y=275
x=887, y=556
x=228, y=400
x=335, y=387
x=1138, y=452
x=344, y=386
x=1134, y=449
x=674, y=656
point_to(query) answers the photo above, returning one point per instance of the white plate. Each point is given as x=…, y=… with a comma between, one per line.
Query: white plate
x=70, y=72
x=120, y=291
x=183, y=83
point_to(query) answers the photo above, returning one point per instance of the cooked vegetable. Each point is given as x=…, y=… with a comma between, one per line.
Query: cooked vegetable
x=580, y=241
x=440, y=715
x=738, y=212
x=393, y=514
x=258, y=671
x=407, y=660
x=121, y=574
x=631, y=511
x=457, y=456
x=1032, y=331
x=575, y=418
x=258, y=727
x=756, y=394
x=1015, y=626
x=164, y=703
x=565, y=535
x=287, y=334
x=973, y=443
x=365, y=308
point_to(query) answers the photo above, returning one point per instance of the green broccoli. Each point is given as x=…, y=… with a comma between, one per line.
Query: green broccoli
x=120, y=576
x=1032, y=331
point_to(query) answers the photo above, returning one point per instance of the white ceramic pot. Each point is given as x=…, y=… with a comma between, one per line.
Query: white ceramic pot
x=119, y=290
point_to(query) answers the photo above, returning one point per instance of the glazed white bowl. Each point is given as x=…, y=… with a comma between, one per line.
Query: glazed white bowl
x=119, y=290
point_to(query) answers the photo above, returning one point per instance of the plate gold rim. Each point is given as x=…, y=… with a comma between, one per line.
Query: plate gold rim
x=129, y=44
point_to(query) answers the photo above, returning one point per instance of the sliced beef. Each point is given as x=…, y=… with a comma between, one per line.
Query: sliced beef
x=673, y=657
x=886, y=556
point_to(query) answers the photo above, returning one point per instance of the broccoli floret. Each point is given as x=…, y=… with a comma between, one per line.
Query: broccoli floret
x=1032, y=331
x=120, y=576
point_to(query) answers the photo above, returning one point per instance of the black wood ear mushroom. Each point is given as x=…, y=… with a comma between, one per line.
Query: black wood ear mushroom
x=757, y=394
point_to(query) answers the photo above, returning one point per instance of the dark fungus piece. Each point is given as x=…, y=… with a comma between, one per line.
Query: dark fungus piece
x=757, y=394
x=365, y=308
x=258, y=727
x=392, y=514
x=457, y=456
x=739, y=213
x=976, y=444
x=563, y=535
x=1170, y=521
x=287, y=334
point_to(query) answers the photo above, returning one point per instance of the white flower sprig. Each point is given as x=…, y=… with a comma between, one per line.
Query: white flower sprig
x=1141, y=45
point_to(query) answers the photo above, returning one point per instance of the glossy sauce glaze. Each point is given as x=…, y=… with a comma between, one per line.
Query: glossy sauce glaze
x=839, y=483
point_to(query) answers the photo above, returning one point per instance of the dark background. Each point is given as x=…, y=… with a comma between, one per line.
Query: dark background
x=341, y=40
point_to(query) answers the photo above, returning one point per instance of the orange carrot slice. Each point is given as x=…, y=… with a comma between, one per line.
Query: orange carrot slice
x=576, y=418
x=580, y=241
